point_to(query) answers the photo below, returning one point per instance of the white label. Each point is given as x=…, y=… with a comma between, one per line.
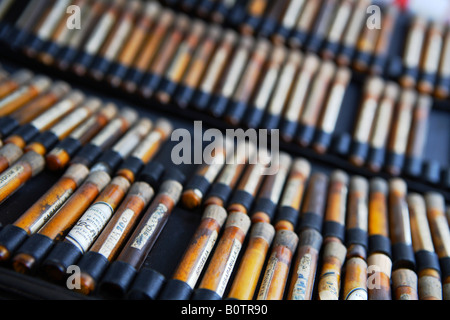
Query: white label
x=54, y=113
x=116, y=233
x=100, y=33
x=232, y=257
x=281, y=93
x=234, y=73
x=303, y=272
x=150, y=227
x=10, y=175
x=292, y=13
x=119, y=38
x=266, y=89
x=298, y=98
x=412, y=57
x=357, y=294
x=265, y=285
x=13, y=96
x=52, y=19
x=200, y=263
x=332, y=110
x=105, y=134
x=214, y=70
x=364, y=125
x=70, y=122
x=145, y=145
x=50, y=211
x=90, y=225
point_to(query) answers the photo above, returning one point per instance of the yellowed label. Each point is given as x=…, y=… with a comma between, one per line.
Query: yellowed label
x=303, y=272
x=50, y=211
x=150, y=227
x=201, y=261
x=268, y=276
x=232, y=257
x=116, y=233
x=10, y=175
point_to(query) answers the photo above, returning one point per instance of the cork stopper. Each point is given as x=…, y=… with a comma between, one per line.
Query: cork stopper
x=435, y=200
x=339, y=176
x=398, y=185
x=121, y=182
x=167, y=17
x=359, y=184
x=172, y=188
x=99, y=178
x=286, y=238
x=215, y=212
x=41, y=83
x=374, y=87
x=35, y=160
x=239, y=220
x=142, y=190
x=378, y=185
x=77, y=172
x=263, y=230
x=129, y=115
x=302, y=166
x=336, y=250
x=22, y=76
x=311, y=63
x=10, y=152
x=60, y=88
x=165, y=127
x=405, y=281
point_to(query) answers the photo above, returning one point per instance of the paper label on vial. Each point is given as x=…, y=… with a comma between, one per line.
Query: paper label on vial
x=357, y=294
x=50, y=211
x=10, y=175
x=116, y=233
x=234, y=253
x=150, y=227
x=265, y=285
x=197, y=270
x=90, y=225
x=303, y=271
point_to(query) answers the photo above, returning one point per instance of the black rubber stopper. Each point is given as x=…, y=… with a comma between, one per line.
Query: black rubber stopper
x=133, y=164
x=184, y=96
x=37, y=246
x=341, y=145
x=147, y=285
x=333, y=229
x=403, y=256
x=242, y=197
x=218, y=105
x=379, y=243
x=63, y=255
x=152, y=173
x=117, y=280
x=432, y=171
x=395, y=161
x=201, y=100
x=205, y=294
x=175, y=290
x=87, y=155
x=413, y=166
x=70, y=146
x=7, y=125
x=221, y=191
x=253, y=117
x=11, y=237
x=288, y=214
x=94, y=264
x=427, y=260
